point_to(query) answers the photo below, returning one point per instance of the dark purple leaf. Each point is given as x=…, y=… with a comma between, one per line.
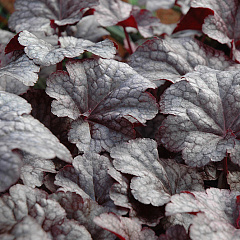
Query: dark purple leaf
x=176, y=232
x=31, y=15
x=204, y=120
x=104, y=97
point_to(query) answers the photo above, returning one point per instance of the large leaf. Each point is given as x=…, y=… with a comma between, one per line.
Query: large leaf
x=155, y=180
x=44, y=53
x=169, y=59
x=216, y=213
x=104, y=97
x=31, y=15
x=124, y=228
x=21, y=131
x=204, y=120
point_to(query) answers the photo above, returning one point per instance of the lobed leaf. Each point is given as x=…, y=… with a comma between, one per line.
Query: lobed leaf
x=88, y=177
x=31, y=15
x=155, y=180
x=123, y=227
x=21, y=131
x=44, y=53
x=104, y=97
x=215, y=209
x=170, y=59
x=204, y=120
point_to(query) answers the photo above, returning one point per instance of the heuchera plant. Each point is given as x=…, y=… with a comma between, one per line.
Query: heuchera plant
x=115, y=125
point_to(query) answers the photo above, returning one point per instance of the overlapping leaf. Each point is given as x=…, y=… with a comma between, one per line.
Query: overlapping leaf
x=171, y=58
x=155, y=180
x=44, y=53
x=124, y=228
x=117, y=12
x=16, y=73
x=88, y=177
x=220, y=21
x=105, y=98
x=31, y=15
x=109, y=13
x=88, y=28
x=216, y=213
x=21, y=131
x=204, y=120
x=120, y=193
x=23, y=201
x=83, y=211
x=33, y=169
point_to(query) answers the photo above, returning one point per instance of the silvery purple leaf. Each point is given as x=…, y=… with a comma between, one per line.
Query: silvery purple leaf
x=83, y=211
x=69, y=230
x=27, y=228
x=155, y=180
x=105, y=97
x=109, y=13
x=33, y=169
x=23, y=201
x=170, y=59
x=153, y=5
x=124, y=227
x=88, y=177
x=43, y=53
x=31, y=15
x=88, y=28
x=21, y=131
x=120, y=193
x=204, y=116
x=16, y=72
x=218, y=208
